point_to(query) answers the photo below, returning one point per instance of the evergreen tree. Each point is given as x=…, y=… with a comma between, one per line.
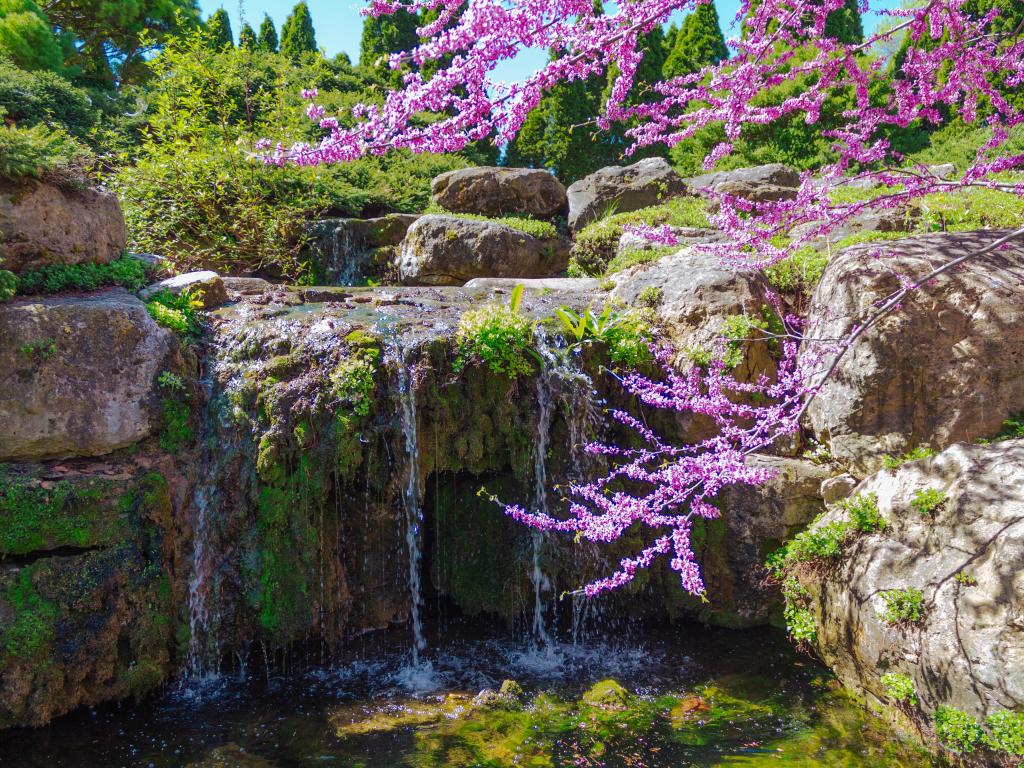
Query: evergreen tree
x=845, y=24
x=218, y=26
x=247, y=38
x=298, y=37
x=267, y=40
x=384, y=35
x=700, y=42
x=27, y=38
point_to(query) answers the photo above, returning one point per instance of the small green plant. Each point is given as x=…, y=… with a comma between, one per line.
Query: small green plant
x=354, y=381
x=900, y=688
x=542, y=230
x=637, y=256
x=625, y=334
x=1012, y=429
x=903, y=607
x=126, y=271
x=956, y=730
x=927, y=500
x=895, y=462
x=43, y=349
x=176, y=430
x=497, y=336
x=964, y=579
x=800, y=272
x=652, y=296
x=178, y=313
x=170, y=381
x=8, y=285
x=1006, y=731
x=797, y=613
x=863, y=511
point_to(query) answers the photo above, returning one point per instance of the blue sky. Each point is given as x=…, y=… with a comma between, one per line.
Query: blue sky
x=339, y=25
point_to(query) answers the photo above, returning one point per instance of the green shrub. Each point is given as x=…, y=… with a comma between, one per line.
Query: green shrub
x=8, y=285
x=178, y=313
x=125, y=271
x=44, y=98
x=900, y=688
x=1012, y=429
x=797, y=614
x=903, y=607
x=626, y=335
x=495, y=335
x=895, y=462
x=927, y=500
x=863, y=511
x=40, y=152
x=1006, y=731
x=651, y=297
x=597, y=243
x=957, y=730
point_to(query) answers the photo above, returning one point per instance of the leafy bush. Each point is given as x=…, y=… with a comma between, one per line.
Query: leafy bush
x=44, y=98
x=39, y=152
x=597, y=243
x=895, y=462
x=799, y=619
x=900, y=688
x=957, y=730
x=175, y=312
x=8, y=284
x=497, y=336
x=1006, y=731
x=927, y=500
x=626, y=335
x=125, y=271
x=903, y=607
x=863, y=511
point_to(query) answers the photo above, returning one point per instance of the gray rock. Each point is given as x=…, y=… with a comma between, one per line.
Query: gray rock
x=966, y=557
x=774, y=181
x=78, y=374
x=207, y=287
x=247, y=286
x=945, y=368
x=500, y=191
x=697, y=295
x=630, y=242
x=348, y=251
x=837, y=488
x=445, y=250
x=43, y=224
x=617, y=189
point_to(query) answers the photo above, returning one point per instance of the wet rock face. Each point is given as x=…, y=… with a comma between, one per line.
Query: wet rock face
x=966, y=557
x=206, y=287
x=499, y=192
x=86, y=608
x=444, y=250
x=43, y=224
x=617, y=189
x=348, y=251
x=78, y=374
x=943, y=369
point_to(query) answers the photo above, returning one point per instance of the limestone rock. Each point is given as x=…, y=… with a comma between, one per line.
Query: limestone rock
x=837, y=488
x=617, y=189
x=774, y=181
x=966, y=557
x=500, y=191
x=348, y=251
x=445, y=250
x=696, y=295
x=247, y=286
x=944, y=368
x=561, y=284
x=43, y=224
x=630, y=242
x=78, y=374
x=207, y=287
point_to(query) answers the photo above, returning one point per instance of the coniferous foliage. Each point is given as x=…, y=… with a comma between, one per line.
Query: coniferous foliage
x=698, y=43
x=298, y=37
x=219, y=27
x=267, y=40
x=27, y=38
x=384, y=35
x=247, y=37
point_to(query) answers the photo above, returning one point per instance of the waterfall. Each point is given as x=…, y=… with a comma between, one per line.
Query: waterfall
x=411, y=497
x=199, y=608
x=545, y=413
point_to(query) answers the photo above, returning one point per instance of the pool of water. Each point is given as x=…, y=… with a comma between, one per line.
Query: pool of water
x=694, y=697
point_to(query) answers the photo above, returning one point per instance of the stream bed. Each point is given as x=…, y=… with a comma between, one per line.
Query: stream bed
x=691, y=697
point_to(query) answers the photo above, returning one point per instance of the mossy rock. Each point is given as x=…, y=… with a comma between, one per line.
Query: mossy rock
x=607, y=693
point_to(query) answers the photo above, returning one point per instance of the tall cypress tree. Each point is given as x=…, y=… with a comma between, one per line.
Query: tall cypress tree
x=700, y=42
x=219, y=28
x=247, y=37
x=267, y=40
x=384, y=35
x=298, y=37
x=845, y=24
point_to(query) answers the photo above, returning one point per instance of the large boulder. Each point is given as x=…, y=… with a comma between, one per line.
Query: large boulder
x=445, y=250
x=205, y=287
x=78, y=374
x=965, y=555
x=44, y=224
x=944, y=368
x=692, y=294
x=86, y=601
x=500, y=191
x=761, y=183
x=348, y=251
x=617, y=189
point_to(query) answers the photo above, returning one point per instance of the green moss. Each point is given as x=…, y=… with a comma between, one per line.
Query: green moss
x=30, y=633
x=176, y=429
x=632, y=258
x=542, y=230
x=497, y=336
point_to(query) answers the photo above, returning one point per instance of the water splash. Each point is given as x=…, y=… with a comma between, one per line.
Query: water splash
x=545, y=414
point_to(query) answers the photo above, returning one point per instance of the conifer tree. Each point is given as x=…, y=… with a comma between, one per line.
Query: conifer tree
x=219, y=28
x=700, y=42
x=267, y=40
x=298, y=37
x=247, y=37
x=845, y=24
x=384, y=35
x=27, y=38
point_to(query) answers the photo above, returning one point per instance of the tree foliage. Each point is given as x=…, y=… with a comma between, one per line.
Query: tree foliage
x=219, y=28
x=384, y=35
x=27, y=38
x=698, y=43
x=267, y=40
x=298, y=38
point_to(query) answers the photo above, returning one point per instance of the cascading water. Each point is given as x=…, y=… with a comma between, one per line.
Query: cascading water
x=545, y=412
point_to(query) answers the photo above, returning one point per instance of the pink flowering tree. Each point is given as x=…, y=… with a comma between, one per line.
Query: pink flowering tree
x=960, y=63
